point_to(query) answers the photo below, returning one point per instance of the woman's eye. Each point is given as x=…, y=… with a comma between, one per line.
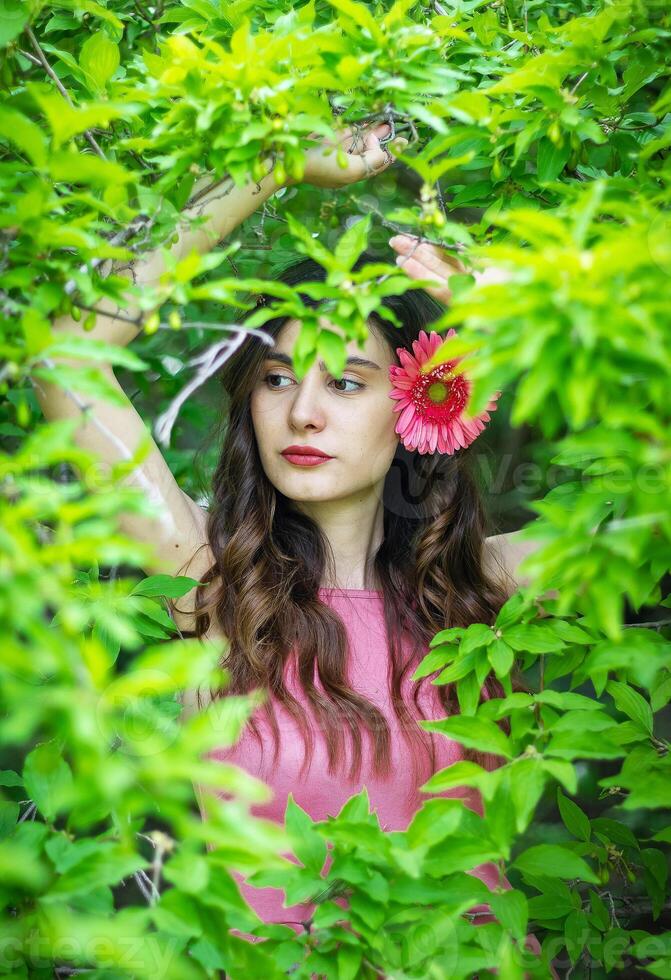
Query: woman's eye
x=348, y=381
x=269, y=376
x=336, y=381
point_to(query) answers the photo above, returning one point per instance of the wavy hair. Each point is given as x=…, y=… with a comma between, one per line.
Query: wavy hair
x=270, y=559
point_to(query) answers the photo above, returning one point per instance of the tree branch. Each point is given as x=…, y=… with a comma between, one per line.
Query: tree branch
x=59, y=85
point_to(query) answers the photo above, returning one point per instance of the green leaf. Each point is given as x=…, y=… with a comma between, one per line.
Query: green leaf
x=66, y=121
x=474, y=732
x=458, y=668
x=468, y=694
x=357, y=807
x=309, y=846
x=361, y=15
x=434, y=822
x=96, y=10
x=551, y=159
x=15, y=16
x=632, y=704
x=527, y=782
x=153, y=610
x=48, y=779
x=349, y=962
x=10, y=778
x=463, y=773
x=462, y=854
x=532, y=639
x=512, y=910
x=89, y=349
x=23, y=133
x=567, y=700
x=36, y=330
x=73, y=167
x=583, y=745
x=107, y=866
x=447, y=636
x=569, y=632
x=165, y=585
x=509, y=611
x=352, y=243
x=308, y=244
x=501, y=657
x=476, y=635
x=615, y=831
x=563, y=772
x=85, y=380
x=188, y=870
x=331, y=347
x=99, y=57
x=9, y=814
x=575, y=820
x=432, y=662
x=550, y=905
x=177, y=914
x=555, y=861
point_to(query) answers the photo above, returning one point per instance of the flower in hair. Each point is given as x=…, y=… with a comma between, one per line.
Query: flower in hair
x=432, y=404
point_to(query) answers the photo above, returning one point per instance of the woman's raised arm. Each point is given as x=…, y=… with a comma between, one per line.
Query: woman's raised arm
x=112, y=431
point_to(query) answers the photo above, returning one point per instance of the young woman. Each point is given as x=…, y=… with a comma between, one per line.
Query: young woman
x=342, y=535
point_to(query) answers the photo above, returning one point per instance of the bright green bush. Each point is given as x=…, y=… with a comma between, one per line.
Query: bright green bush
x=539, y=137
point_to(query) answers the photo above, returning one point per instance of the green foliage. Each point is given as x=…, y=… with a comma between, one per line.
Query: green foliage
x=538, y=145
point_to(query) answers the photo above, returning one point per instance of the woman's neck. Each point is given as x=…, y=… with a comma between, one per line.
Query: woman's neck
x=355, y=530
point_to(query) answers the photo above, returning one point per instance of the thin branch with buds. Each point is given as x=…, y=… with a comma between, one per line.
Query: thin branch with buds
x=59, y=85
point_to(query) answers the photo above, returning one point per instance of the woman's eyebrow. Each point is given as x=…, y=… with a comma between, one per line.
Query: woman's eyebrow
x=276, y=355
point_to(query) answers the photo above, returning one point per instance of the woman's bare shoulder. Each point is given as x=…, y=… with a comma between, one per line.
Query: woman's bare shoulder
x=193, y=701
x=502, y=555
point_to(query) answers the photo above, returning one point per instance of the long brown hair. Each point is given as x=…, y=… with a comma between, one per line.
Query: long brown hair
x=270, y=559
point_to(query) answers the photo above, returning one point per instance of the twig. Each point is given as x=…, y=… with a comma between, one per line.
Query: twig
x=209, y=363
x=140, y=222
x=421, y=239
x=29, y=812
x=30, y=57
x=579, y=82
x=144, y=14
x=59, y=85
x=136, y=321
x=145, y=884
x=204, y=191
x=441, y=199
x=648, y=626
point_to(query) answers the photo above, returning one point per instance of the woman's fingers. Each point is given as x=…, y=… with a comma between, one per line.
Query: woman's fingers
x=435, y=259
x=364, y=156
x=424, y=261
x=417, y=270
x=367, y=152
x=421, y=260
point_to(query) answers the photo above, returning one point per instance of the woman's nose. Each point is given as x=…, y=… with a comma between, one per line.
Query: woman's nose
x=307, y=405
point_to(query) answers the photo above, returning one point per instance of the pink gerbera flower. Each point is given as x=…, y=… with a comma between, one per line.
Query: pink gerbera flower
x=433, y=403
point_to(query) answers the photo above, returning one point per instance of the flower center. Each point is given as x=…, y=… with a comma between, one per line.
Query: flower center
x=437, y=392
x=441, y=395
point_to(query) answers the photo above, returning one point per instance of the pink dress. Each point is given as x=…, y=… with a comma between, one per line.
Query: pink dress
x=320, y=794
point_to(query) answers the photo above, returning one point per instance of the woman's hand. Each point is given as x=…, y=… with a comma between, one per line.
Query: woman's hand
x=365, y=157
x=421, y=260
x=424, y=261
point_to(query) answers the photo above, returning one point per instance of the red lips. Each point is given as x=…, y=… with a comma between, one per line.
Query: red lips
x=304, y=451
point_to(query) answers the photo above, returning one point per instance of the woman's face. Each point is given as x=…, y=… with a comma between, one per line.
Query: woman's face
x=351, y=419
